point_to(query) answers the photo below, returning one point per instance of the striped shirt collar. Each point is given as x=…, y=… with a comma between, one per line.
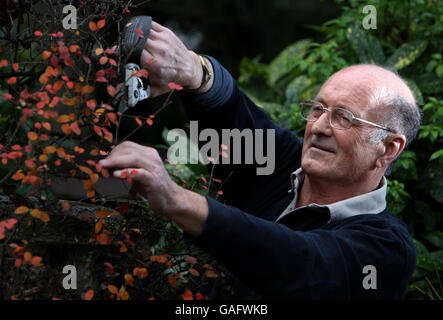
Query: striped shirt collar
x=368, y=203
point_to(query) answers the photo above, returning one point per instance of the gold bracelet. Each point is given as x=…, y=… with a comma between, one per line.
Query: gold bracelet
x=207, y=74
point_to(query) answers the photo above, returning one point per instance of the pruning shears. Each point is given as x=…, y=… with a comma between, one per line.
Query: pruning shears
x=134, y=36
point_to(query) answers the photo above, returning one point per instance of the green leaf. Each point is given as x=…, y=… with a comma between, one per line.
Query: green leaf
x=287, y=60
x=429, y=83
x=295, y=88
x=367, y=46
x=415, y=90
x=406, y=54
x=425, y=260
x=436, y=155
x=436, y=238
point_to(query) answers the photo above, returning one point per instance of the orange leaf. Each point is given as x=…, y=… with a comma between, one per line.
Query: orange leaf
x=66, y=128
x=150, y=122
x=27, y=257
x=139, y=122
x=98, y=226
x=87, y=90
x=36, y=261
x=161, y=259
x=104, y=238
x=44, y=216
x=101, y=213
x=21, y=210
x=64, y=118
x=46, y=54
x=43, y=158
x=123, y=247
x=111, y=90
x=140, y=272
x=47, y=125
x=99, y=51
x=211, y=274
x=194, y=272
x=89, y=294
x=18, y=262
x=35, y=213
x=65, y=206
x=129, y=279
x=73, y=48
x=113, y=289
x=90, y=194
x=92, y=26
x=49, y=150
x=18, y=175
x=43, y=78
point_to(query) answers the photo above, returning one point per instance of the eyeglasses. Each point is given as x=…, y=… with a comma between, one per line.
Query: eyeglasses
x=339, y=118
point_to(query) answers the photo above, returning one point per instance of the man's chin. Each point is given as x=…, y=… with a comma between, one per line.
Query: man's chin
x=315, y=168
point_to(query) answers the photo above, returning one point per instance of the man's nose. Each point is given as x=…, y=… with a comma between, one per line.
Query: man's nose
x=322, y=125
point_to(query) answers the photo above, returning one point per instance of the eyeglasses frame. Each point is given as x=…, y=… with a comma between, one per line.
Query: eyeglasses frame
x=352, y=119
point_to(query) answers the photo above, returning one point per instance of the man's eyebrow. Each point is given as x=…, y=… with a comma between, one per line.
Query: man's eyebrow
x=339, y=105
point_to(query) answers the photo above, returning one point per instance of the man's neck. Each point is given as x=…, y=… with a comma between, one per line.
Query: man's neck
x=326, y=192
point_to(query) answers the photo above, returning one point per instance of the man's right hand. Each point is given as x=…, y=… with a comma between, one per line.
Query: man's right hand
x=168, y=60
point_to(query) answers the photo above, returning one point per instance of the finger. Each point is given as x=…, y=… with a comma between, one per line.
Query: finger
x=138, y=176
x=153, y=35
x=123, y=161
x=154, y=47
x=157, y=27
x=146, y=58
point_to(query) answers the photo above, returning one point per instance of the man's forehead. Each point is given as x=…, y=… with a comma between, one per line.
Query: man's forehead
x=348, y=94
x=363, y=86
x=371, y=80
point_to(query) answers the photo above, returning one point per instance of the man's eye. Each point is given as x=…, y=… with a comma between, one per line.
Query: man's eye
x=342, y=115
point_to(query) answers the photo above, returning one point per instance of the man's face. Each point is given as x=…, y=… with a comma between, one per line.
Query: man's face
x=340, y=155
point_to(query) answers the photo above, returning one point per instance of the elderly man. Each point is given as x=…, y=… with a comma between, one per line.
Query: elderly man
x=322, y=239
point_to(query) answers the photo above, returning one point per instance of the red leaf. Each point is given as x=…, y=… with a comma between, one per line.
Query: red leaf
x=89, y=294
x=69, y=62
x=12, y=80
x=87, y=60
x=140, y=33
x=187, y=295
x=7, y=96
x=103, y=60
x=172, y=280
x=101, y=23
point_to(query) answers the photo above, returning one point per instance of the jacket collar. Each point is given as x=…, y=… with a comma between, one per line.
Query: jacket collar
x=368, y=203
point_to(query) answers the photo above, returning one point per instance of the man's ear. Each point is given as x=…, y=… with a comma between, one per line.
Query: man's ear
x=390, y=149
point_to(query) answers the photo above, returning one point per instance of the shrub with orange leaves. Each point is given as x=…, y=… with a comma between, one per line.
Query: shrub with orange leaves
x=57, y=99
